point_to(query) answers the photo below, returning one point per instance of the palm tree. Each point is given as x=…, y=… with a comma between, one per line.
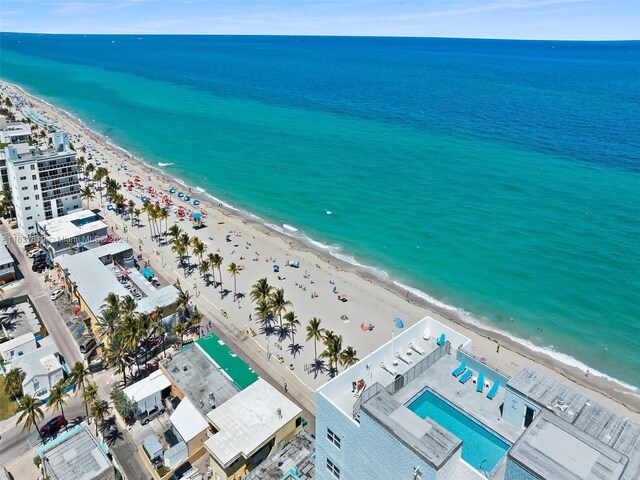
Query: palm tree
x=261, y=290
x=292, y=323
x=56, y=396
x=333, y=348
x=13, y=382
x=181, y=251
x=174, y=232
x=88, y=170
x=81, y=162
x=182, y=304
x=87, y=194
x=30, y=413
x=136, y=213
x=348, y=357
x=131, y=334
x=79, y=375
x=101, y=173
x=98, y=411
x=128, y=305
x=315, y=332
x=195, y=318
x=116, y=353
x=203, y=268
x=89, y=395
x=216, y=262
x=199, y=248
x=180, y=329
x=234, y=271
x=148, y=209
x=186, y=241
x=163, y=214
x=278, y=303
x=131, y=207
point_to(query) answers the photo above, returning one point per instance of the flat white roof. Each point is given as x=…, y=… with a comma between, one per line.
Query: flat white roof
x=96, y=280
x=31, y=363
x=187, y=420
x=62, y=228
x=154, y=383
x=5, y=255
x=17, y=342
x=248, y=420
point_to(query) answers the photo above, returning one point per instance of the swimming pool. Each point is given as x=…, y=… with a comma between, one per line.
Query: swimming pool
x=481, y=448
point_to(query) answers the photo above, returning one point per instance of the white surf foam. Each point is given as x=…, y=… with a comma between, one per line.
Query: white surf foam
x=289, y=227
x=164, y=164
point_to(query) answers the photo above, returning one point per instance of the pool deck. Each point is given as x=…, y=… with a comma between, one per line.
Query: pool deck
x=465, y=397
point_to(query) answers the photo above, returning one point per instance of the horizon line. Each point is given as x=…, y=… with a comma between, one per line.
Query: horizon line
x=320, y=36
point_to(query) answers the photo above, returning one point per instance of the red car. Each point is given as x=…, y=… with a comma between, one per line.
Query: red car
x=53, y=425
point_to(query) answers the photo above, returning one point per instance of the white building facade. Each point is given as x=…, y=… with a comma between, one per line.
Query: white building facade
x=44, y=184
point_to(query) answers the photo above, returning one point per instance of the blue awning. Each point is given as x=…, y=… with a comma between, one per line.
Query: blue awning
x=147, y=273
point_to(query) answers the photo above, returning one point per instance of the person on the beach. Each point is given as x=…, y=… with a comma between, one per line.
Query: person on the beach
x=498, y=349
x=286, y=389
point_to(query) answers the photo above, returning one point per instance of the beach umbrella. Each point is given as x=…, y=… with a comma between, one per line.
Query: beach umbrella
x=399, y=323
x=172, y=190
x=187, y=198
x=196, y=202
x=143, y=198
x=364, y=326
x=180, y=194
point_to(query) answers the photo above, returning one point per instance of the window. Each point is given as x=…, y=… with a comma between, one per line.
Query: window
x=34, y=177
x=25, y=198
x=37, y=197
x=23, y=178
x=35, y=187
x=30, y=228
x=33, y=167
x=25, y=188
x=298, y=421
x=20, y=168
x=29, y=218
x=27, y=208
x=333, y=438
x=335, y=471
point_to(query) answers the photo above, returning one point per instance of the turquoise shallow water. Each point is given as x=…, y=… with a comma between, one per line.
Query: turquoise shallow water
x=458, y=169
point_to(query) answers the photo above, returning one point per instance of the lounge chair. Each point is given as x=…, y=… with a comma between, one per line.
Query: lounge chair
x=480, y=384
x=441, y=339
x=466, y=376
x=388, y=370
x=417, y=349
x=494, y=390
x=359, y=388
x=404, y=358
x=461, y=368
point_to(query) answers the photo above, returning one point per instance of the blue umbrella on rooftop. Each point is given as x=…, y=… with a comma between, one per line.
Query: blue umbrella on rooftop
x=399, y=323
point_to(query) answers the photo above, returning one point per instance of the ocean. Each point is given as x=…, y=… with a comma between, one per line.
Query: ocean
x=499, y=178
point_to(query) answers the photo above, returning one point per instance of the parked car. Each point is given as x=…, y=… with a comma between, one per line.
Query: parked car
x=30, y=246
x=53, y=425
x=56, y=294
x=35, y=252
x=148, y=415
x=87, y=344
x=38, y=268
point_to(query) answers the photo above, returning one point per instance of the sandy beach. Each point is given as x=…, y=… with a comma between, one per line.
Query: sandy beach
x=313, y=287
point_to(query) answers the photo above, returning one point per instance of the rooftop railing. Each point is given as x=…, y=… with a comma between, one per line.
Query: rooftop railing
x=402, y=380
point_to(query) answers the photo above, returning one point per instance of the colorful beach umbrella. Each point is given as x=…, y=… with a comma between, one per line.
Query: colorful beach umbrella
x=399, y=323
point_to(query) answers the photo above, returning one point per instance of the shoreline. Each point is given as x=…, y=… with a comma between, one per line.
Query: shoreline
x=609, y=387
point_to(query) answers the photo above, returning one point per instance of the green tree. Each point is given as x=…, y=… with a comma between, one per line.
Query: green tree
x=79, y=375
x=261, y=290
x=87, y=194
x=125, y=407
x=278, y=303
x=13, y=382
x=234, y=271
x=180, y=329
x=98, y=412
x=333, y=348
x=89, y=395
x=216, y=262
x=56, y=396
x=315, y=332
x=348, y=357
x=30, y=413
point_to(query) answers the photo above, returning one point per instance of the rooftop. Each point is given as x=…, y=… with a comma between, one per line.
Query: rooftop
x=75, y=224
x=19, y=318
x=552, y=448
x=18, y=342
x=296, y=454
x=75, y=455
x=583, y=413
x=95, y=279
x=246, y=423
x=425, y=437
x=5, y=254
x=413, y=344
x=187, y=420
x=38, y=362
x=199, y=378
x=156, y=382
x=232, y=364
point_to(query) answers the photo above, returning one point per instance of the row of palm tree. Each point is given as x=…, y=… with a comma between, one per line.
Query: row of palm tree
x=271, y=304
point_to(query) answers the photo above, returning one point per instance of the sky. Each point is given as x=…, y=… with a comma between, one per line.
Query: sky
x=517, y=19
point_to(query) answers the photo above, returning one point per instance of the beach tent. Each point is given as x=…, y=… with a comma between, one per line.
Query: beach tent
x=197, y=220
x=276, y=268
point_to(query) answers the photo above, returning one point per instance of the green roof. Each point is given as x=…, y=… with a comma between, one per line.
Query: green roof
x=234, y=366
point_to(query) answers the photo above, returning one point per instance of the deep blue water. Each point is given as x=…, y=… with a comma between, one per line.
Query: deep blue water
x=502, y=177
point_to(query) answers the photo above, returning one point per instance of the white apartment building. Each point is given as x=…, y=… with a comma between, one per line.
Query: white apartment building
x=44, y=183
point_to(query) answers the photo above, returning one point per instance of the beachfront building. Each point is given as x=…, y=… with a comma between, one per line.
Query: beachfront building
x=21, y=149
x=249, y=428
x=424, y=407
x=92, y=275
x=44, y=183
x=14, y=132
x=189, y=426
x=76, y=455
x=75, y=232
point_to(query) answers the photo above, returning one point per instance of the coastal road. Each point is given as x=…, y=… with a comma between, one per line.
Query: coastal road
x=33, y=285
